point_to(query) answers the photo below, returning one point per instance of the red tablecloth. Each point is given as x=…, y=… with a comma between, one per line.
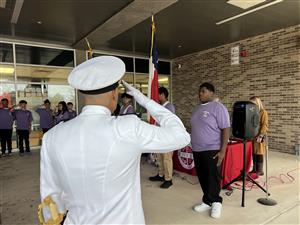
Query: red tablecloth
x=232, y=164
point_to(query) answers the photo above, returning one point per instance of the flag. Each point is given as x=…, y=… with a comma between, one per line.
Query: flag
x=153, y=70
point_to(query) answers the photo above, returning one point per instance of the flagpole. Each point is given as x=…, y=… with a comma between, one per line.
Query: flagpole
x=153, y=69
x=150, y=64
x=90, y=50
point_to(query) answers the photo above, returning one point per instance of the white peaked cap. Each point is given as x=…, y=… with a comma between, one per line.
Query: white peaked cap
x=97, y=73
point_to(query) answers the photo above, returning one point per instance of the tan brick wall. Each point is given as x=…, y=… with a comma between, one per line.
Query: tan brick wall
x=271, y=70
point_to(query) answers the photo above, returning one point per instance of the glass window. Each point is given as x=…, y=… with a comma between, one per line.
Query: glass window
x=7, y=73
x=128, y=77
x=7, y=90
x=164, y=67
x=127, y=60
x=35, y=94
x=6, y=53
x=163, y=81
x=44, y=56
x=57, y=93
x=42, y=74
x=141, y=65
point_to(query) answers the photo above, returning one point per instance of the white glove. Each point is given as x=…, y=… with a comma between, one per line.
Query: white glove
x=138, y=96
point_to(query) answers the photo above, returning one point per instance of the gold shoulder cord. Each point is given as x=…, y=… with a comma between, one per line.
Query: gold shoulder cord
x=56, y=217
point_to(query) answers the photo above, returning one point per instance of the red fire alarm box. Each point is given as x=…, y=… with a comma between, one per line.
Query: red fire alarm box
x=244, y=53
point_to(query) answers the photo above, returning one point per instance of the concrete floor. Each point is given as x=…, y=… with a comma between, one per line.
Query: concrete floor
x=20, y=195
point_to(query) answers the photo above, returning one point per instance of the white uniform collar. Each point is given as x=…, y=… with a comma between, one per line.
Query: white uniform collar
x=96, y=109
x=165, y=103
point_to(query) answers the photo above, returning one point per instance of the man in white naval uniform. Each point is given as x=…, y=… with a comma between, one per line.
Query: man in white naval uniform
x=90, y=165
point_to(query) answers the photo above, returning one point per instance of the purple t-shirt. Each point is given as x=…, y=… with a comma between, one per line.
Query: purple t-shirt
x=62, y=117
x=72, y=114
x=207, y=122
x=126, y=110
x=169, y=106
x=23, y=118
x=6, y=118
x=46, y=118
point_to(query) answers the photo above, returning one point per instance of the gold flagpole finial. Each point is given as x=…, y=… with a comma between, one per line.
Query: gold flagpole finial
x=90, y=50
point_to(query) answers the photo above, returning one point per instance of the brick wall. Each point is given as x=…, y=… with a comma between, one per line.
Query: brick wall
x=271, y=70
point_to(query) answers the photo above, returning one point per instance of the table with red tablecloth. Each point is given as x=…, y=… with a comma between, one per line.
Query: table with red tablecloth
x=232, y=163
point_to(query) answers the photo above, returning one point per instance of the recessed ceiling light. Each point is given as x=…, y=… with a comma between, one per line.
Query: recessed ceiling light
x=39, y=22
x=245, y=4
x=179, y=46
x=249, y=11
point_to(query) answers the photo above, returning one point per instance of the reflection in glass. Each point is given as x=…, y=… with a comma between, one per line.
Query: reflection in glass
x=142, y=65
x=164, y=67
x=44, y=56
x=42, y=74
x=7, y=73
x=6, y=53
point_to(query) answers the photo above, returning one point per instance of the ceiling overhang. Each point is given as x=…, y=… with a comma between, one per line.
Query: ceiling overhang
x=128, y=17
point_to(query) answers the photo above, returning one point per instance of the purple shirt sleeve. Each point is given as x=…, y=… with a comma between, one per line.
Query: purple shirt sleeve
x=170, y=107
x=222, y=114
x=30, y=117
x=130, y=110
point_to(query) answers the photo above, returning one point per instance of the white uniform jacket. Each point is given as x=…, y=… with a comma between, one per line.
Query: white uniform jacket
x=90, y=165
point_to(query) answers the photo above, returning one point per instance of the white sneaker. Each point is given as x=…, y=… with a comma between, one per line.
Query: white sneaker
x=202, y=207
x=216, y=209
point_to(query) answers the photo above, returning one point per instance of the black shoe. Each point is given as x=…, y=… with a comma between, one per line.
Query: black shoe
x=157, y=178
x=166, y=184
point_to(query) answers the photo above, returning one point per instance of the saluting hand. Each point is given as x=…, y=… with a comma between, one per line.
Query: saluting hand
x=138, y=96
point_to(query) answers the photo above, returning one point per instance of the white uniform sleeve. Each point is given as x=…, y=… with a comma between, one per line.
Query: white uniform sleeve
x=49, y=184
x=171, y=135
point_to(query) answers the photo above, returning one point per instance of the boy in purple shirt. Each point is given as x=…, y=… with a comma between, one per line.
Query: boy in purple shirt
x=23, y=120
x=126, y=108
x=6, y=126
x=62, y=114
x=165, y=161
x=210, y=133
x=72, y=113
x=46, y=116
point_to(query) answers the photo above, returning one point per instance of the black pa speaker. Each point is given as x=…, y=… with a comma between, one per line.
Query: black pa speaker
x=245, y=120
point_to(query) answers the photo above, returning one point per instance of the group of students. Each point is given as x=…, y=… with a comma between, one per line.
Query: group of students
x=23, y=120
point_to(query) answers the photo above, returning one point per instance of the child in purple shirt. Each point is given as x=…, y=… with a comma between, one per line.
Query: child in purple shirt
x=6, y=127
x=165, y=161
x=127, y=107
x=23, y=119
x=46, y=116
x=72, y=113
x=62, y=114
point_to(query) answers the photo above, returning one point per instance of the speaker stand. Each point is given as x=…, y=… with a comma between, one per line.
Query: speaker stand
x=243, y=175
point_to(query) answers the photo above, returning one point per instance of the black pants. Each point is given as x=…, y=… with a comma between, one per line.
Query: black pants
x=209, y=175
x=5, y=136
x=45, y=130
x=23, y=135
